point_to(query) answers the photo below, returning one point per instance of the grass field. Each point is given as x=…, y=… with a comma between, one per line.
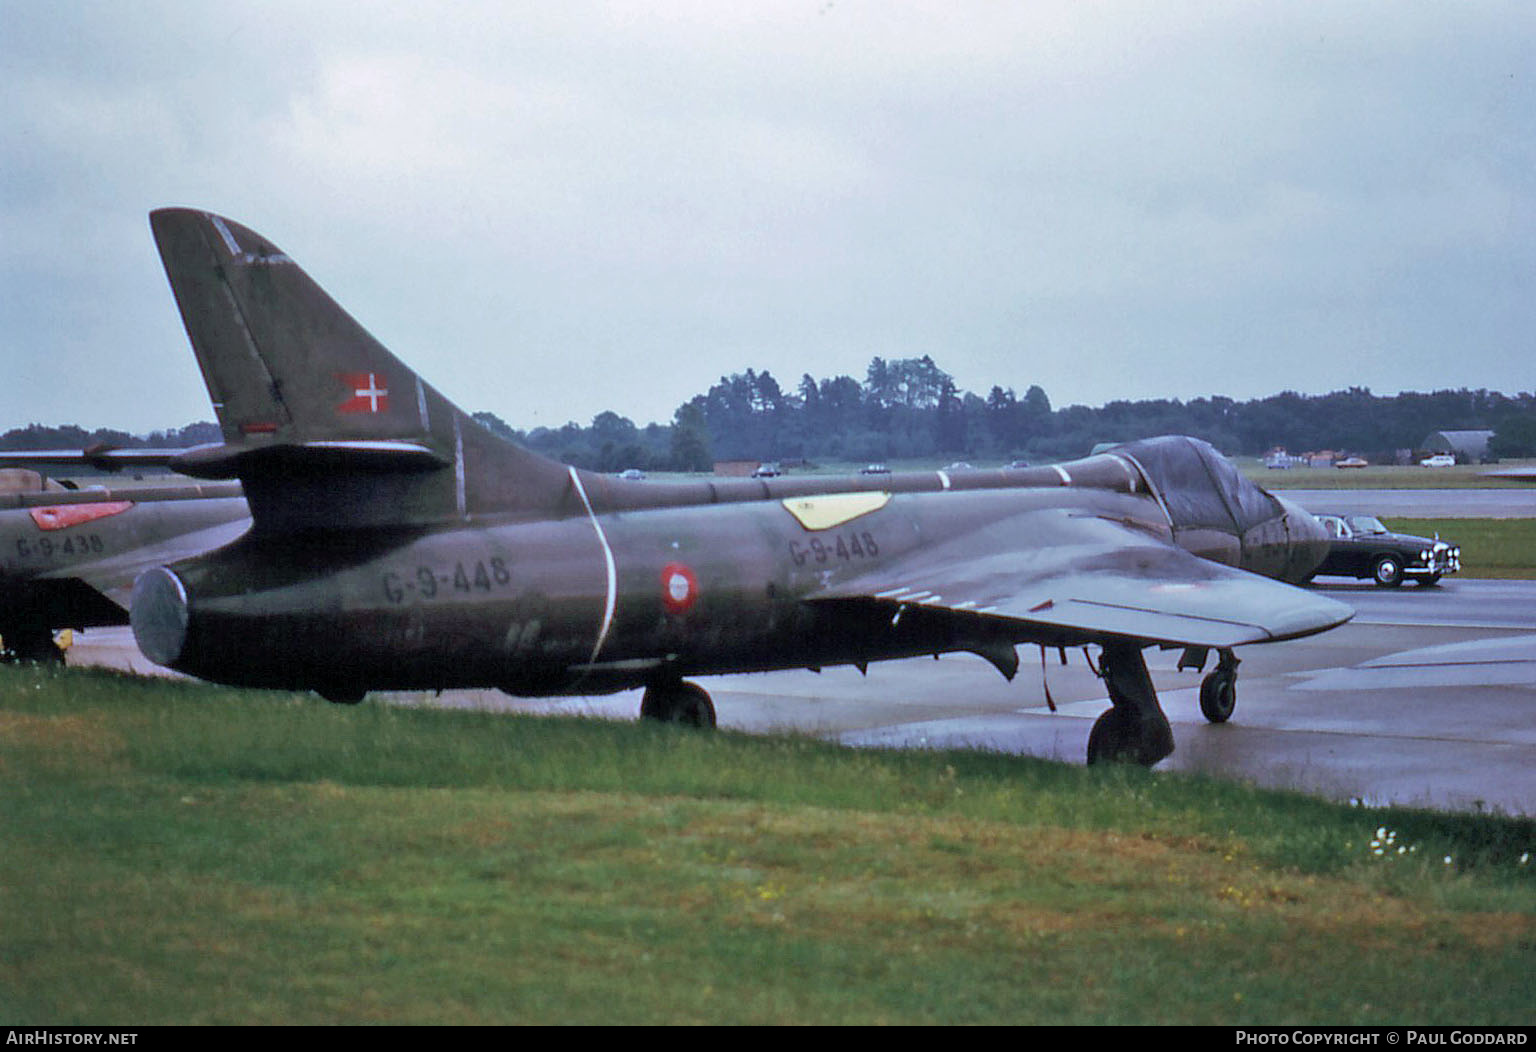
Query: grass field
x=1461, y=476
x=177, y=853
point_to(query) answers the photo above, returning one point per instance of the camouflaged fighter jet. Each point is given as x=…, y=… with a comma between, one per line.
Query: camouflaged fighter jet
x=396, y=544
x=69, y=556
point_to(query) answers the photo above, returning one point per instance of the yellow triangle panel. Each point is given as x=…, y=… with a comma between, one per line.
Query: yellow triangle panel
x=823, y=513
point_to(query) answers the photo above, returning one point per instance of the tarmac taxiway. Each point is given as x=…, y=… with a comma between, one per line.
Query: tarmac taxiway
x=1427, y=698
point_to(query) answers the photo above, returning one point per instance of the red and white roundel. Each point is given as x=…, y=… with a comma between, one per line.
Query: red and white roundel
x=679, y=588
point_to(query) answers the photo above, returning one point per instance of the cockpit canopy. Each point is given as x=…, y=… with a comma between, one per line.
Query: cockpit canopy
x=1200, y=488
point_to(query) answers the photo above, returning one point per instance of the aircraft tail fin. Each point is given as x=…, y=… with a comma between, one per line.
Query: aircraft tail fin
x=321, y=423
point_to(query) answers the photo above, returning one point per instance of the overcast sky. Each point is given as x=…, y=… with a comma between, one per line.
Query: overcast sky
x=559, y=208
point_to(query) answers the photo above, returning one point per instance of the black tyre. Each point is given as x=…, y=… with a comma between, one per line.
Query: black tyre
x=1387, y=571
x=1218, y=696
x=1112, y=740
x=683, y=703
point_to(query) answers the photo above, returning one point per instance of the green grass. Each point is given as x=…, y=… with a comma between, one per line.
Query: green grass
x=1500, y=548
x=176, y=853
x=1461, y=476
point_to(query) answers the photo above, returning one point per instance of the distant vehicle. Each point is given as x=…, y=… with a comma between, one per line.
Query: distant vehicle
x=1352, y=462
x=874, y=469
x=1439, y=460
x=959, y=465
x=766, y=471
x=1018, y=465
x=634, y=474
x=1364, y=548
x=1278, y=463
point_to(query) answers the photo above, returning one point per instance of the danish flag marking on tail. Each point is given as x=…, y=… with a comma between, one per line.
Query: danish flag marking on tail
x=369, y=395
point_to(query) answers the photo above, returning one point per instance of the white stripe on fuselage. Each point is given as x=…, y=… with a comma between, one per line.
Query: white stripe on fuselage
x=613, y=576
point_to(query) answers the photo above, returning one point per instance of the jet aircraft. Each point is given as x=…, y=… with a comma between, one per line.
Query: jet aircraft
x=69, y=556
x=396, y=544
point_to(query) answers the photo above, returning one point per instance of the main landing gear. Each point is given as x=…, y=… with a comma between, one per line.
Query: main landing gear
x=676, y=701
x=1136, y=730
x=343, y=694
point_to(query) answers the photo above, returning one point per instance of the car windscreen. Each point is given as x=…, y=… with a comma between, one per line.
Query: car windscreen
x=1201, y=488
x=1366, y=524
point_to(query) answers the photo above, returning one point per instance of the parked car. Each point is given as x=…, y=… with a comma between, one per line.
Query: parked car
x=766, y=470
x=1018, y=465
x=874, y=469
x=1439, y=460
x=633, y=474
x=1364, y=548
x=1352, y=462
x=959, y=465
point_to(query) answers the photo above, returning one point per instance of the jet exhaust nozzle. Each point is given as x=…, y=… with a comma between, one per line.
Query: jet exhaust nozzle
x=159, y=615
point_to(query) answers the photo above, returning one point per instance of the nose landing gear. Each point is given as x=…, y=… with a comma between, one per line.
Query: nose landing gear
x=1218, y=691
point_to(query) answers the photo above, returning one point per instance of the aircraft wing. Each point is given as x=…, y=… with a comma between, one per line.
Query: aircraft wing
x=108, y=458
x=1092, y=577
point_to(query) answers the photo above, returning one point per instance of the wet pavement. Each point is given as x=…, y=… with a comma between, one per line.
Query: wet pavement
x=1427, y=698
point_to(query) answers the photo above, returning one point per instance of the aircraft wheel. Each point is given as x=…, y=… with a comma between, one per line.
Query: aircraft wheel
x=1387, y=571
x=684, y=703
x=1114, y=739
x=1218, y=696
x=342, y=695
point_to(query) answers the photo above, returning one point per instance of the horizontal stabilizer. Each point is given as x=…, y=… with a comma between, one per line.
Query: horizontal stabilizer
x=233, y=461
x=103, y=458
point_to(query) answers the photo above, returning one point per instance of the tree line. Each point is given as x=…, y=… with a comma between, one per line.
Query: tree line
x=912, y=409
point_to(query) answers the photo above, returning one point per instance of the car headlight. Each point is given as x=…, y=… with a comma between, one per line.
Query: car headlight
x=1425, y=554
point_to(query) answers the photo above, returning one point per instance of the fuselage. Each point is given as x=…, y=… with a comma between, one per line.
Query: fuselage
x=647, y=581
x=69, y=556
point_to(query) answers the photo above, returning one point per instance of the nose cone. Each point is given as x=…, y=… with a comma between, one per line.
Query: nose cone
x=1309, y=543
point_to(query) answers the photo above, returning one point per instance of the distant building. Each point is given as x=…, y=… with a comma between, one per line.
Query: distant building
x=1468, y=446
